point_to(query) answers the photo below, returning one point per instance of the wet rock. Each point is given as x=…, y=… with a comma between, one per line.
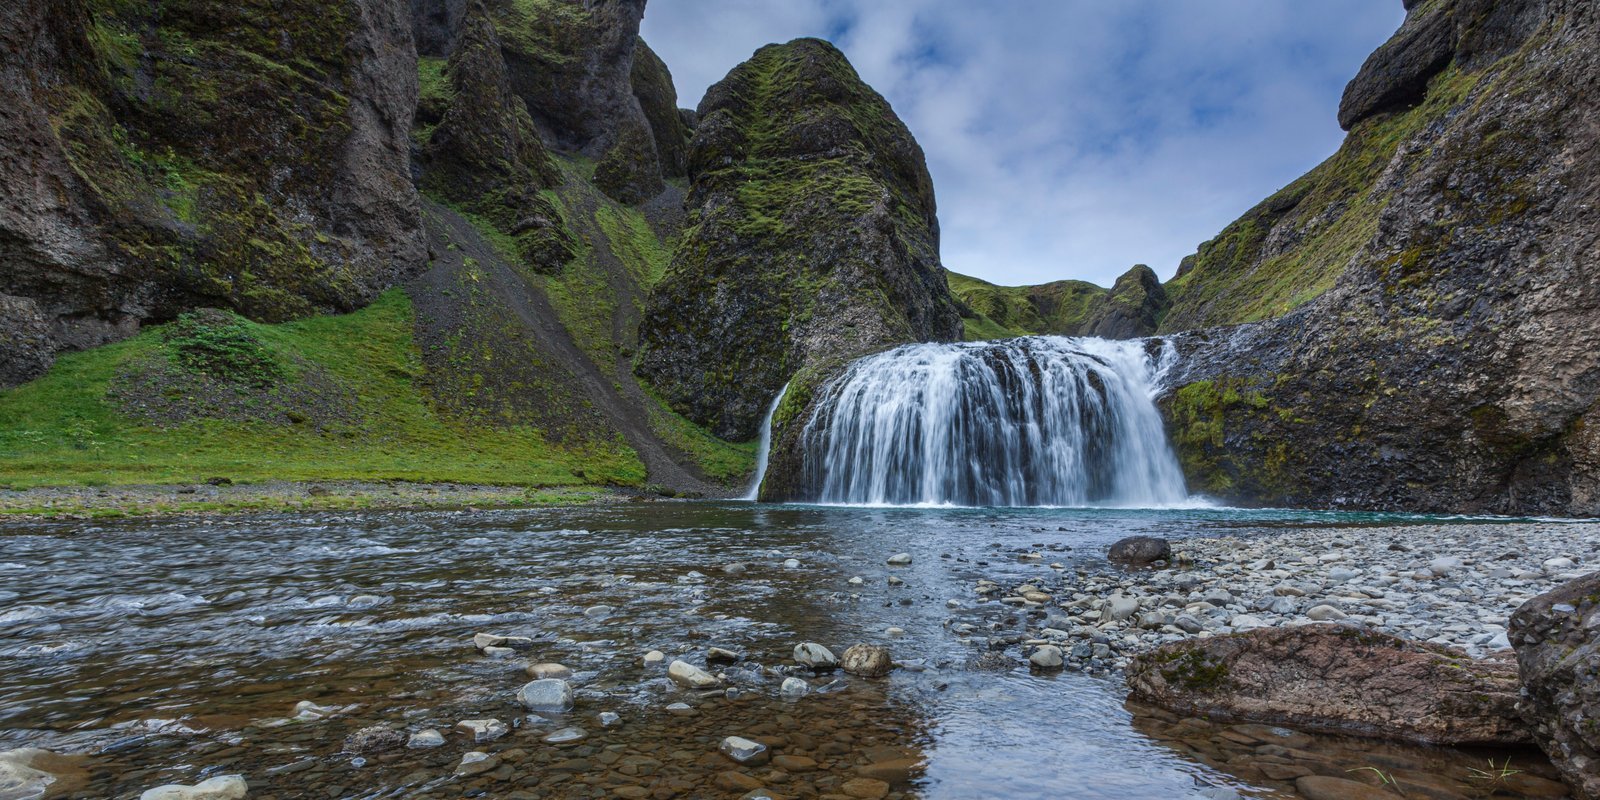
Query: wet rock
x=222, y=787
x=1046, y=657
x=690, y=676
x=1325, y=613
x=475, y=763
x=1557, y=641
x=680, y=709
x=1322, y=787
x=1140, y=550
x=424, y=739
x=374, y=739
x=550, y=695
x=566, y=736
x=721, y=655
x=899, y=560
x=307, y=710
x=815, y=656
x=1337, y=679
x=484, y=641
x=744, y=751
x=866, y=660
x=1119, y=607
x=481, y=730
x=21, y=775
x=793, y=688
x=865, y=788
x=737, y=782
x=608, y=719
x=598, y=611
x=549, y=670
x=654, y=657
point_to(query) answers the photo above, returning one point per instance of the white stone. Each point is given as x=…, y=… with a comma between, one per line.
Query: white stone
x=222, y=787
x=791, y=563
x=899, y=559
x=551, y=695
x=305, y=709
x=855, y=581
x=1119, y=607
x=1444, y=565
x=567, y=736
x=19, y=777
x=549, y=670
x=608, y=719
x=1045, y=657
x=654, y=657
x=690, y=676
x=794, y=687
x=744, y=751
x=425, y=738
x=1325, y=613
x=811, y=654
x=481, y=730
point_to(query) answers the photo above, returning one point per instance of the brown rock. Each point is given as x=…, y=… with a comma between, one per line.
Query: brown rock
x=1559, y=655
x=789, y=763
x=1336, y=679
x=865, y=788
x=866, y=660
x=736, y=781
x=1322, y=787
x=896, y=771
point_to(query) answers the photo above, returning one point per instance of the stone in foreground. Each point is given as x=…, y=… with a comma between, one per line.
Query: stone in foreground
x=690, y=676
x=1336, y=679
x=550, y=695
x=1557, y=640
x=866, y=660
x=1140, y=550
x=744, y=751
x=1322, y=787
x=222, y=787
x=815, y=656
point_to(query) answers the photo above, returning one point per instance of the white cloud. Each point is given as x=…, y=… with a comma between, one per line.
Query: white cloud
x=1073, y=138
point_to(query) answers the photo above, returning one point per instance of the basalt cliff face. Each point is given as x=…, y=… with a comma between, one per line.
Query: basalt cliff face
x=812, y=239
x=1432, y=289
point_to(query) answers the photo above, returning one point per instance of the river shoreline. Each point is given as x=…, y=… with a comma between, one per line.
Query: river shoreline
x=205, y=499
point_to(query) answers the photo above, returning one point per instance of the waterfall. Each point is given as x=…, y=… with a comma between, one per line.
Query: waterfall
x=764, y=447
x=1037, y=421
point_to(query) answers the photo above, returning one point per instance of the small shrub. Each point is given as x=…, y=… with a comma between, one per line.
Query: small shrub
x=221, y=345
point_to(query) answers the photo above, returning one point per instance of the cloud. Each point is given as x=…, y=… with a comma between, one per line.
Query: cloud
x=1073, y=138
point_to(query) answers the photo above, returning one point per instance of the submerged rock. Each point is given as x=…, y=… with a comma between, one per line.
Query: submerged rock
x=547, y=694
x=690, y=676
x=1337, y=679
x=1557, y=640
x=815, y=656
x=21, y=775
x=374, y=739
x=744, y=751
x=223, y=787
x=481, y=730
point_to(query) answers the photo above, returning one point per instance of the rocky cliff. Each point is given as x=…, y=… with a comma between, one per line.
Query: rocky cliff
x=198, y=153
x=1430, y=293
x=812, y=239
x=1133, y=307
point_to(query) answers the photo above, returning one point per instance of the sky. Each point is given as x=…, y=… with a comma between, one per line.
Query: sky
x=1072, y=138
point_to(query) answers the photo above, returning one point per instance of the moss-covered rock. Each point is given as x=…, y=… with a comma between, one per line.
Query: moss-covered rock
x=1131, y=308
x=812, y=238
x=658, y=99
x=248, y=155
x=1429, y=296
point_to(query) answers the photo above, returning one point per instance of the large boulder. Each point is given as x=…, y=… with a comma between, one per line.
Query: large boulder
x=1335, y=679
x=1558, y=651
x=813, y=240
x=1140, y=550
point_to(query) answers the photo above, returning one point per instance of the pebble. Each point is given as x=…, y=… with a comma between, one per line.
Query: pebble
x=481, y=730
x=899, y=559
x=549, y=670
x=475, y=763
x=793, y=688
x=566, y=736
x=424, y=739
x=222, y=787
x=690, y=676
x=1046, y=657
x=815, y=656
x=744, y=751
x=654, y=657
x=608, y=719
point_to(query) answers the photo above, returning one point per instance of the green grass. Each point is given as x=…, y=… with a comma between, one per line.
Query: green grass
x=1003, y=312
x=62, y=429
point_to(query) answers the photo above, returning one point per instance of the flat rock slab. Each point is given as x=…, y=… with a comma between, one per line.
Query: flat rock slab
x=1337, y=679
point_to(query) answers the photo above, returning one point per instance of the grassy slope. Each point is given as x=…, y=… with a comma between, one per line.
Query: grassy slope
x=62, y=429
x=1000, y=312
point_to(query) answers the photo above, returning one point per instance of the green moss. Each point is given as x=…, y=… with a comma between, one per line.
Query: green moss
x=64, y=429
x=1060, y=307
x=1193, y=670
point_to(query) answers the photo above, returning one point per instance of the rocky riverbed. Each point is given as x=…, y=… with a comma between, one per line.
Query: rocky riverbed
x=650, y=650
x=1454, y=585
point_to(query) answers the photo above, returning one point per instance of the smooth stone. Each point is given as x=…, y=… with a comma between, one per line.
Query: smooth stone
x=681, y=709
x=424, y=739
x=654, y=657
x=475, y=763
x=608, y=719
x=794, y=688
x=484, y=641
x=498, y=652
x=899, y=559
x=481, y=730
x=1322, y=787
x=744, y=751
x=690, y=676
x=566, y=736
x=1326, y=613
x=1139, y=550
x=815, y=656
x=1444, y=565
x=546, y=694
x=1120, y=607
x=222, y=787
x=598, y=611
x=549, y=670
x=865, y=788
x=1046, y=657
x=791, y=563
x=20, y=775
x=721, y=655
x=856, y=581
x=305, y=709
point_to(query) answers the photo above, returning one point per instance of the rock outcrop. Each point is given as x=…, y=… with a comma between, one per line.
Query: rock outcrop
x=1335, y=679
x=218, y=154
x=812, y=240
x=1430, y=291
x=1133, y=307
x=1559, y=655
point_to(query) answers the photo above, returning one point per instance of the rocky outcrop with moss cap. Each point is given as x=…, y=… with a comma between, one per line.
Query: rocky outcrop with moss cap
x=812, y=239
x=1131, y=308
x=1447, y=361
x=203, y=153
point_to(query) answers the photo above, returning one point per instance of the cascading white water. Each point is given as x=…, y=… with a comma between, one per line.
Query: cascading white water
x=1038, y=421
x=764, y=447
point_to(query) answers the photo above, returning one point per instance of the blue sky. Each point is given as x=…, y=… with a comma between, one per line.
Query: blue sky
x=1073, y=138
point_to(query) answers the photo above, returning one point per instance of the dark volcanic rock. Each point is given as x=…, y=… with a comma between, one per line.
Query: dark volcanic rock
x=1396, y=75
x=813, y=240
x=1559, y=654
x=1132, y=308
x=658, y=99
x=1335, y=679
x=1140, y=550
x=1450, y=364
x=251, y=168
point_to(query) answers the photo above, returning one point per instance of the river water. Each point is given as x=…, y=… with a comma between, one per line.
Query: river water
x=171, y=650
